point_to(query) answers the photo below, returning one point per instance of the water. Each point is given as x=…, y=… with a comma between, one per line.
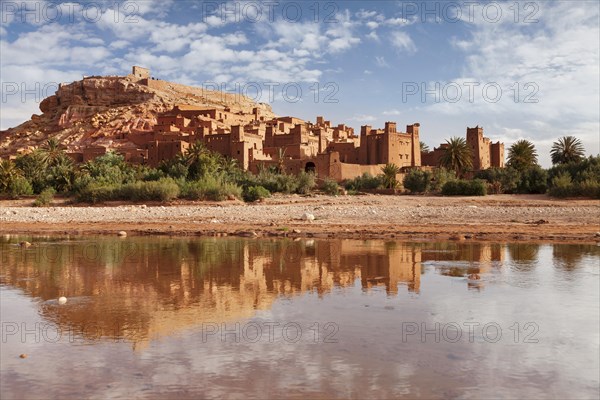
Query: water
x=188, y=317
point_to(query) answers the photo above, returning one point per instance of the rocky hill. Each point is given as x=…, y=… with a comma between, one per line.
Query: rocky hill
x=105, y=110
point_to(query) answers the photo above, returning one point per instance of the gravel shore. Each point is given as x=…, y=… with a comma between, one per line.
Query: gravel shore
x=499, y=217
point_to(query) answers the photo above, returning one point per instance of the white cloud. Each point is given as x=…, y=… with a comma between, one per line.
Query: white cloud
x=380, y=61
x=363, y=118
x=402, y=41
x=557, y=57
x=400, y=21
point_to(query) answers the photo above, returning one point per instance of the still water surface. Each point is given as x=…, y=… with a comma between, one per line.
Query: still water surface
x=180, y=317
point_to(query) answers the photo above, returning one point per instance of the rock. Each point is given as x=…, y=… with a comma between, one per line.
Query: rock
x=25, y=244
x=248, y=234
x=457, y=237
x=308, y=217
x=23, y=355
x=468, y=236
x=231, y=197
x=122, y=234
x=597, y=234
x=62, y=300
x=297, y=231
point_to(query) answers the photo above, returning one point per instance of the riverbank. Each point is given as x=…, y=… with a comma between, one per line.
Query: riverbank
x=496, y=217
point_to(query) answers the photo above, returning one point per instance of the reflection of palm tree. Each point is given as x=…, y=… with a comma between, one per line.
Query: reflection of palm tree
x=523, y=255
x=568, y=256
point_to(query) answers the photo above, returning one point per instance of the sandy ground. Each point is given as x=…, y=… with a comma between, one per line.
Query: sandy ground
x=498, y=218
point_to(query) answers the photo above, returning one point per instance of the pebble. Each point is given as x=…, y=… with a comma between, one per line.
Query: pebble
x=122, y=234
x=62, y=300
x=308, y=217
x=297, y=231
x=23, y=355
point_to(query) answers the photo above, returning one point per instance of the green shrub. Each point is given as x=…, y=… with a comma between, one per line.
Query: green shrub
x=589, y=188
x=576, y=179
x=306, y=181
x=165, y=189
x=19, y=186
x=45, y=198
x=439, y=178
x=95, y=193
x=533, y=180
x=476, y=187
x=254, y=193
x=210, y=188
x=364, y=182
x=330, y=187
x=417, y=181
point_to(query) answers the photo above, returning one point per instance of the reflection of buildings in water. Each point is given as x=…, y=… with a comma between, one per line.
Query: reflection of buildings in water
x=167, y=286
x=470, y=258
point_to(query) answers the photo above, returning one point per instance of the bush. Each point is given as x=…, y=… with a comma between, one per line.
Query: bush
x=417, y=181
x=330, y=187
x=95, y=193
x=576, y=179
x=589, y=188
x=210, y=188
x=45, y=198
x=563, y=186
x=364, y=182
x=165, y=189
x=306, y=181
x=533, y=180
x=439, y=178
x=476, y=187
x=18, y=187
x=254, y=193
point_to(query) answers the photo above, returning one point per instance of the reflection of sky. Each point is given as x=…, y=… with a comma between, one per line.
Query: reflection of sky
x=370, y=358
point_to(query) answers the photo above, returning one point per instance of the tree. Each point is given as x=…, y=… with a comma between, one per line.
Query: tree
x=566, y=150
x=424, y=147
x=201, y=162
x=51, y=152
x=522, y=155
x=280, y=160
x=8, y=173
x=457, y=155
x=389, y=175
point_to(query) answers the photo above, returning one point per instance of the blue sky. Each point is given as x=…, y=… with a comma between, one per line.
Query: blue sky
x=521, y=70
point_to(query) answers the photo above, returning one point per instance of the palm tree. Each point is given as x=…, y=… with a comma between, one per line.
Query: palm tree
x=567, y=149
x=8, y=173
x=457, y=155
x=424, y=147
x=51, y=152
x=280, y=160
x=522, y=155
x=389, y=175
x=201, y=161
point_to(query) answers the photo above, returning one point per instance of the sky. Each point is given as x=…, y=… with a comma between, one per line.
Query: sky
x=522, y=70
